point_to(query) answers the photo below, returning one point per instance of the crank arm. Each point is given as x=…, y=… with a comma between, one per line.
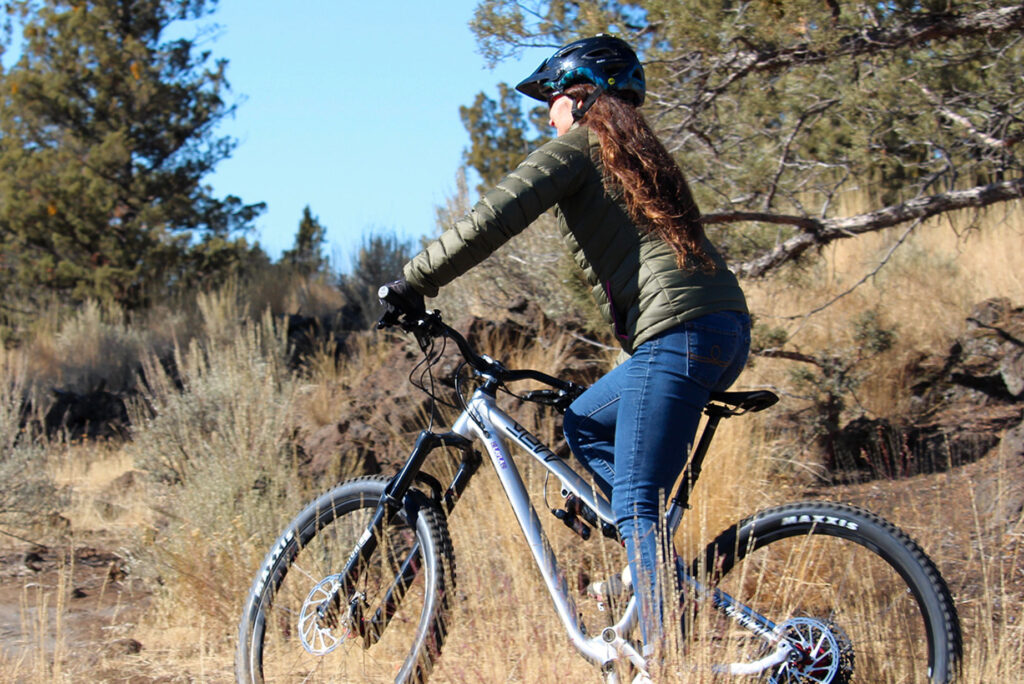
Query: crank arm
x=776, y=657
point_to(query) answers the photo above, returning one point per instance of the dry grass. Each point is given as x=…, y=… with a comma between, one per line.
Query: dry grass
x=925, y=291
x=228, y=482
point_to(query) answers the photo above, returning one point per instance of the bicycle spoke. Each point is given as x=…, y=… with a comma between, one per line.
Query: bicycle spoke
x=873, y=616
x=297, y=642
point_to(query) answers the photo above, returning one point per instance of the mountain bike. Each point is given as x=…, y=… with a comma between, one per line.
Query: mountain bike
x=359, y=587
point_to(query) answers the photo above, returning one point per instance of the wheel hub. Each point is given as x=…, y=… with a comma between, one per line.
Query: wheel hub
x=821, y=653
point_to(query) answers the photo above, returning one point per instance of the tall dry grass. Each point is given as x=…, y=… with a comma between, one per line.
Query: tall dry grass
x=217, y=476
x=924, y=289
x=218, y=448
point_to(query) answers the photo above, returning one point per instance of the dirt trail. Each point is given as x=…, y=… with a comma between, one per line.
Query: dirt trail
x=64, y=612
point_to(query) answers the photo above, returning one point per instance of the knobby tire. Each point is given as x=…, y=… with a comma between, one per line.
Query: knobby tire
x=317, y=544
x=871, y=584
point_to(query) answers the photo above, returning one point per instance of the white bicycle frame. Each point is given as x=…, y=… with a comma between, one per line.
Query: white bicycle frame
x=483, y=419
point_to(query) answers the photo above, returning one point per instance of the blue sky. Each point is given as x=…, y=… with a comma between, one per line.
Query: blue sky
x=351, y=108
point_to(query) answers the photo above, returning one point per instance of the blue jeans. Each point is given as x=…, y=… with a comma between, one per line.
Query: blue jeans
x=633, y=430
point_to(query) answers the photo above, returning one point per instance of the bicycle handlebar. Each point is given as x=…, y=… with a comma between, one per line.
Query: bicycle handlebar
x=427, y=325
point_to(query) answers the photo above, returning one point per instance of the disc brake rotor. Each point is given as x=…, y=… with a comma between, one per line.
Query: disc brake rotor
x=317, y=638
x=821, y=653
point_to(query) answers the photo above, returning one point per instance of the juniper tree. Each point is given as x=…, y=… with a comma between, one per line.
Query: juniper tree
x=306, y=256
x=498, y=134
x=108, y=127
x=379, y=259
x=778, y=111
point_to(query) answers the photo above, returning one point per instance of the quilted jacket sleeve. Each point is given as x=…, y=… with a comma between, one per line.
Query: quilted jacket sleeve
x=550, y=173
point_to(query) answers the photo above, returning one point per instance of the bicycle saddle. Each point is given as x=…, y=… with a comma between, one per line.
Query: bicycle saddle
x=756, y=400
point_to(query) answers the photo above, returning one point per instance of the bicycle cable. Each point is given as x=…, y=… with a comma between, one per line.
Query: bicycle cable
x=424, y=369
x=462, y=396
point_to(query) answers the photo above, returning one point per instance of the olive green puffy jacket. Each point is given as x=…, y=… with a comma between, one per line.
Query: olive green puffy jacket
x=633, y=275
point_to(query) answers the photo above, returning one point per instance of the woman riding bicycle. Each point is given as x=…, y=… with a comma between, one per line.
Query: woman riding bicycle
x=627, y=215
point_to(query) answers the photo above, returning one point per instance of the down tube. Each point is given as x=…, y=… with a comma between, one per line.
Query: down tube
x=511, y=481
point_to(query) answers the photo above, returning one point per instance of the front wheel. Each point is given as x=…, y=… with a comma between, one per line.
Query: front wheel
x=857, y=599
x=389, y=628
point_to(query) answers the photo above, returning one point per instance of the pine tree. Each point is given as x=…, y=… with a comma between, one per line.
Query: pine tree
x=306, y=257
x=106, y=132
x=497, y=134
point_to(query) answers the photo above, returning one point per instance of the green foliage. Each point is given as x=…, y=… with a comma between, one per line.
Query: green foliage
x=232, y=402
x=379, y=260
x=211, y=263
x=217, y=445
x=497, y=134
x=95, y=346
x=106, y=131
x=871, y=335
x=29, y=493
x=13, y=394
x=785, y=107
x=764, y=338
x=307, y=256
x=788, y=133
x=502, y=27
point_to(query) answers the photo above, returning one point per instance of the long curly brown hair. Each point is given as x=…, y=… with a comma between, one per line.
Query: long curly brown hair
x=653, y=187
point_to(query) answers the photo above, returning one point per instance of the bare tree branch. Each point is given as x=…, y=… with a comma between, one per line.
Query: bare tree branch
x=915, y=31
x=819, y=232
x=963, y=121
x=789, y=355
x=784, y=157
x=866, y=277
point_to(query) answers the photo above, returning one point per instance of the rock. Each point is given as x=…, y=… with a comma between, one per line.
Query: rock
x=869, y=446
x=877, y=448
x=124, y=647
x=34, y=561
x=94, y=415
x=999, y=488
x=125, y=483
x=986, y=363
x=339, y=450
x=117, y=570
x=966, y=401
x=384, y=412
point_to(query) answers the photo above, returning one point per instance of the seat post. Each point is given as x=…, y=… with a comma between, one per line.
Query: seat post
x=691, y=471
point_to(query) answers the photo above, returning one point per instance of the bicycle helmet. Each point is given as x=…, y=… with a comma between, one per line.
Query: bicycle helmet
x=604, y=61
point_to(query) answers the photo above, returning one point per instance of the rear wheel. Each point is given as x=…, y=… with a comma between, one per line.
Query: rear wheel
x=283, y=635
x=855, y=596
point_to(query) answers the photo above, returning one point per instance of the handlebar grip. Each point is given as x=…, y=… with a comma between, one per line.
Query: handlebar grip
x=399, y=299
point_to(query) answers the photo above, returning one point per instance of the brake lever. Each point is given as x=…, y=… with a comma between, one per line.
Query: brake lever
x=388, y=319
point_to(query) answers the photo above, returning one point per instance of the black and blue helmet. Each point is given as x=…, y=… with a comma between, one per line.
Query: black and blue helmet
x=604, y=61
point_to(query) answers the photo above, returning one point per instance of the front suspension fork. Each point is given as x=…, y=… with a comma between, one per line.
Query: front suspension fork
x=399, y=497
